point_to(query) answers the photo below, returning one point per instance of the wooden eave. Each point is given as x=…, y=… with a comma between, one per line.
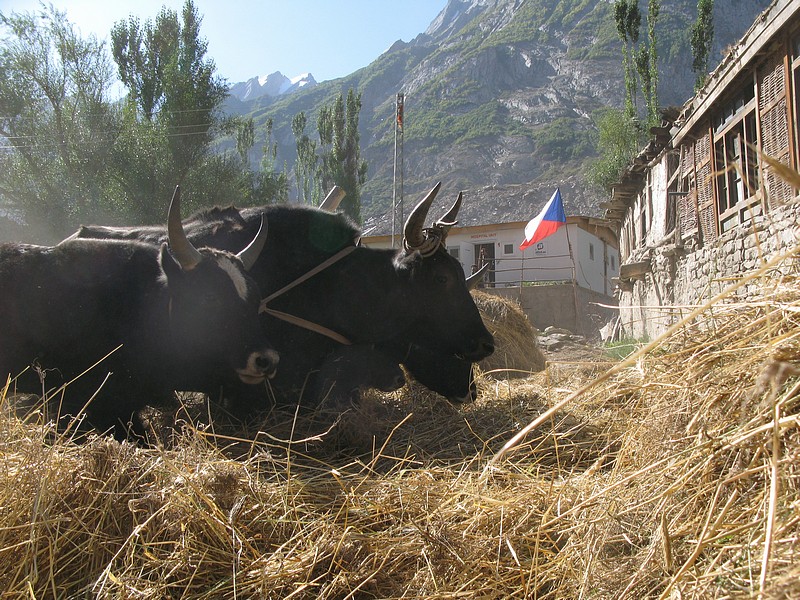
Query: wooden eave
x=760, y=34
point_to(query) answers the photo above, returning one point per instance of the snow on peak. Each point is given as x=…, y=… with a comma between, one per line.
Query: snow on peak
x=300, y=78
x=272, y=85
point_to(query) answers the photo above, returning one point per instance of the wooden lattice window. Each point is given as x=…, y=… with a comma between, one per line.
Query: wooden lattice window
x=795, y=67
x=687, y=202
x=774, y=121
x=706, y=210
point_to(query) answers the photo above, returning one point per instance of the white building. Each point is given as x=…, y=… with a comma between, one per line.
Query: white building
x=554, y=286
x=585, y=250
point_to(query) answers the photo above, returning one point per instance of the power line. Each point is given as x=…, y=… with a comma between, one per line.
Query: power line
x=110, y=135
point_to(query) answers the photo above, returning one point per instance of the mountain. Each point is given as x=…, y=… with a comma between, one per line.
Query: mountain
x=499, y=98
x=272, y=86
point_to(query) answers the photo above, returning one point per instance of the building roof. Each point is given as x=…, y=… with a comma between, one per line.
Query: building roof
x=741, y=54
x=601, y=228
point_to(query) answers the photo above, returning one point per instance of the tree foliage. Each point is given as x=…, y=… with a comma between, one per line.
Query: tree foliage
x=619, y=139
x=270, y=184
x=172, y=111
x=74, y=155
x=650, y=89
x=56, y=119
x=702, y=38
x=341, y=162
x=639, y=60
x=628, y=19
x=620, y=133
x=336, y=158
x=306, y=164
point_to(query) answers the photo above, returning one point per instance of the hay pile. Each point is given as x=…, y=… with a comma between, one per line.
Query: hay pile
x=517, y=351
x=675, y=476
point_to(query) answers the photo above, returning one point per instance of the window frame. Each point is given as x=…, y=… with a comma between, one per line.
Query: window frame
x=736, y=168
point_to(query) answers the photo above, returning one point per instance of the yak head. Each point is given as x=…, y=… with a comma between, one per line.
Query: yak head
x=446, y=319
x=214, y=304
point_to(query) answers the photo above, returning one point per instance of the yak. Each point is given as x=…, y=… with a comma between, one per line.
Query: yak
x=321, y=288
x=125, y=323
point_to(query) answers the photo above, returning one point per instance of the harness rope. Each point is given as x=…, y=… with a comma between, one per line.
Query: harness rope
x=299, y=321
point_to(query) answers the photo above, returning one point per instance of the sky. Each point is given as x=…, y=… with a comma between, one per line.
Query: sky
x=250, y=38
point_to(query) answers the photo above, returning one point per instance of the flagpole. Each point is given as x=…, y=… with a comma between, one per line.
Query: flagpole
x=397, y=175
x=574, y=279
x=549, y=220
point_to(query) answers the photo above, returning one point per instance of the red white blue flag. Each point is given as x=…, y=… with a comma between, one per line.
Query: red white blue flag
x=546, y=222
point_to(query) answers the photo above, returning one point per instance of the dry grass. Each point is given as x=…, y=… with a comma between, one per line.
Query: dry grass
x=674, y=476
x=517, y=350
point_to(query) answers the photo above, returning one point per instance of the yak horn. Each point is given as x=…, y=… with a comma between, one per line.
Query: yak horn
x=474, y=280
x=449, y=218
x=187, y=255
x=332, y=200
x=250, y=253
x=413, y=237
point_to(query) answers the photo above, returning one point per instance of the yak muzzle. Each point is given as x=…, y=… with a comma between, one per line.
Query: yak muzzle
x=260, y=366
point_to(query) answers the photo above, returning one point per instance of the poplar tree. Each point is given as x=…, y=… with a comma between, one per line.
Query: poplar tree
x=702, y=38
x=305, y=167
x=628, y=20
x=639, y=61
x=270, y=185
x=651, y=90
x=341, y=162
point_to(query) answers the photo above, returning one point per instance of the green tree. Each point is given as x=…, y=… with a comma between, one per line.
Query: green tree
x=341, y=162
x=702, y=38
x=305, y=167
x=650, y=72
x=618, y=139
x=270, y=185
x=57, y=120
x=628, y=20
x=172, y=115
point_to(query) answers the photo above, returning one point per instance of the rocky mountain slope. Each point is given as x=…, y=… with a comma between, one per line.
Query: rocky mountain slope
x=499, y=97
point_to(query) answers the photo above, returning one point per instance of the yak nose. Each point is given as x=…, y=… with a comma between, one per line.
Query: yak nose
x=486, y=347
x=267, y=362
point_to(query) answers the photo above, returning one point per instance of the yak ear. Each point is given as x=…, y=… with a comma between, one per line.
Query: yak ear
x=169, y=265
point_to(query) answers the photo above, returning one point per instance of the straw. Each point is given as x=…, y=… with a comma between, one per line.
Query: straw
x=674, y=474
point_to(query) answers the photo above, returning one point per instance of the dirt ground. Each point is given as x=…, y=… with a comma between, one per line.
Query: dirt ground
x=576, y=352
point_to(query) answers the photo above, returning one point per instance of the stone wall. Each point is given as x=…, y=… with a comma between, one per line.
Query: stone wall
x=575, y=308
x=682, y=277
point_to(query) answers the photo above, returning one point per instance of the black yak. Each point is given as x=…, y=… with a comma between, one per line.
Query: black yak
x=129, y=322
x=393, y=300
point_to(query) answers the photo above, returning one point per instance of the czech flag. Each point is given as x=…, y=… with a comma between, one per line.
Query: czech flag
x=546, y=222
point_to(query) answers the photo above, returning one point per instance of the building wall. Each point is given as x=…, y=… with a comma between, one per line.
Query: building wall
x=683, y=278
x=596, y=261
x=563, y=305
x=710, y=208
